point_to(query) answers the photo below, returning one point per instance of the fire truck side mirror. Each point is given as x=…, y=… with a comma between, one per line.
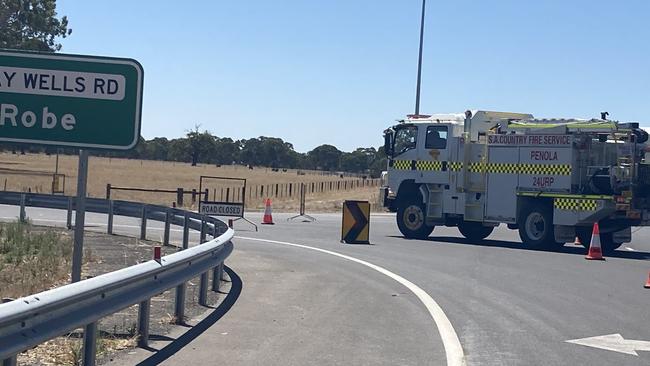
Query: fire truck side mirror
x=388, y=143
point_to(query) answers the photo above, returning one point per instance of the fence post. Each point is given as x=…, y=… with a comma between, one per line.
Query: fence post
x=206, y=196
x=69, y=217
x=143, y=225
x=22, y=214
x=108, y=191
x=143, y=323
x=193, y=195
x=90, y=342
x=109, y=226
x=179, y=197
x=227, y=194
x=166, y=231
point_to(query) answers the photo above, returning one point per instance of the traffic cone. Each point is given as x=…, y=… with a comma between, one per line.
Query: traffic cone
x=595, y=252
x=268, y=213
x=577, y=241
x=647, y=283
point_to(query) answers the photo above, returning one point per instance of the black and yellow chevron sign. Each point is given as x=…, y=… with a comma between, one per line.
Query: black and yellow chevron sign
x=356, y=222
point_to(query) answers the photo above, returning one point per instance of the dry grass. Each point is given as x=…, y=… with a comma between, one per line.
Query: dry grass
x=34, y=172
x=32, y=259
x=67, y=350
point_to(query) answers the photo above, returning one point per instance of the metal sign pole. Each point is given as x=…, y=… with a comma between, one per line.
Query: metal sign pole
x=80, y=215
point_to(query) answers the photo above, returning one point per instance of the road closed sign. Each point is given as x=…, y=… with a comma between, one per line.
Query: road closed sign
x=221, y=209
x=70, y=100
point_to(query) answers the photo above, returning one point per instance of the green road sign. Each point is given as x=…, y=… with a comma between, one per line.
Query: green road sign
x=70, y=100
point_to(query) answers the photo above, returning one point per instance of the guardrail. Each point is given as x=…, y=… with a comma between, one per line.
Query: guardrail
x=32, y=320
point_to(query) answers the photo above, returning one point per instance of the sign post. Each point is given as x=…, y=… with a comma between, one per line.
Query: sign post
x=80, y=216
x=77, y=101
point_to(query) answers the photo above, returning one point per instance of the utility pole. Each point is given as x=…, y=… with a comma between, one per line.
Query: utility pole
x=417, y=88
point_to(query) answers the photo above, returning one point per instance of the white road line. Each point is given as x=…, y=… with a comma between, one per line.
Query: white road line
x=453, y=349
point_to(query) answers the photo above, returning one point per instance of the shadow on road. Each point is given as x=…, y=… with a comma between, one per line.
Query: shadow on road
x=636, y=255
x=202, y=326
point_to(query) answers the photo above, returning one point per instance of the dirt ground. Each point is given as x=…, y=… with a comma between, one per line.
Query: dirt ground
x=107, y=253
x=33, y=172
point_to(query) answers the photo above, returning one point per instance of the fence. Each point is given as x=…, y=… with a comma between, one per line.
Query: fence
x=272, y=190
x=32, y=320
x=180, y=193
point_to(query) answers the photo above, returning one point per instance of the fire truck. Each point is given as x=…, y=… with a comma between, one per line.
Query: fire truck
x=550, y=179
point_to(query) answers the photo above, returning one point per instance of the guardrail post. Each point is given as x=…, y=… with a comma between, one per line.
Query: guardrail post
x=217, y=272
x=109, y=226
x=90, y=342
x=143, y=323
x=22, y=214
x=180, y=304
x=108, y=191
x=186, y=231
x=166, y=232
x=203, y=232
x=69, y=217
x=11, y=361
x=143, y=224
x=203, y=289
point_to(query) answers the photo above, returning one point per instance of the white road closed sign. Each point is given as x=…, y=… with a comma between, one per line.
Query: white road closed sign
x=221, y=209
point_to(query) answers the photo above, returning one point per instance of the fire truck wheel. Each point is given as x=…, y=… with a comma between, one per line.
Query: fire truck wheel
x=474, y=231
x=411, y=220
x=607, y=242
x=536, y=227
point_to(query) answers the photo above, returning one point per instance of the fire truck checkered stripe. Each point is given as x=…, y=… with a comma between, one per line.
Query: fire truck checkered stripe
x=546, y=169
x=516, y=168
x=481, y=167
x=428, y=165
x=569, y=204
x=503, y=168
x=455, y=165
x=402, y=164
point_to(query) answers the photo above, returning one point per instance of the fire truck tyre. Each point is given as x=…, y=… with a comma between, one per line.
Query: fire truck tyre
x=607, y=243
x=474, y=231
x=536, y=227
x=411, y=220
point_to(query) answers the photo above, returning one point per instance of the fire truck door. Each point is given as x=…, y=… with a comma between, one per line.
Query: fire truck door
x=432, y=164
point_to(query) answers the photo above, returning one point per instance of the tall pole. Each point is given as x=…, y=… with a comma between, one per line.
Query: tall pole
x=80, y=216
x=417, y=88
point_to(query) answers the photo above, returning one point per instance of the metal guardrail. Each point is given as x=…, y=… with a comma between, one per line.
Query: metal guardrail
x=32, y=320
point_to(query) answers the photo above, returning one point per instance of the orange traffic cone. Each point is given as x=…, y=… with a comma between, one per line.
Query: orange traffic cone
x=577, y=241
x=268, y=213
x=647, y=283
x=595, y=252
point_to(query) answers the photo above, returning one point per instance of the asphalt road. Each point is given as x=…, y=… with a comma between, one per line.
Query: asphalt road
x=508, y=305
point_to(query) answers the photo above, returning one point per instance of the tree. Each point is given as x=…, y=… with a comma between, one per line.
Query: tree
x=31, y=25
x=358, y=161
x=325, y=157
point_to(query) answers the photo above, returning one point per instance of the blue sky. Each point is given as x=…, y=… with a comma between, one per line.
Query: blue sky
x=339, y=72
